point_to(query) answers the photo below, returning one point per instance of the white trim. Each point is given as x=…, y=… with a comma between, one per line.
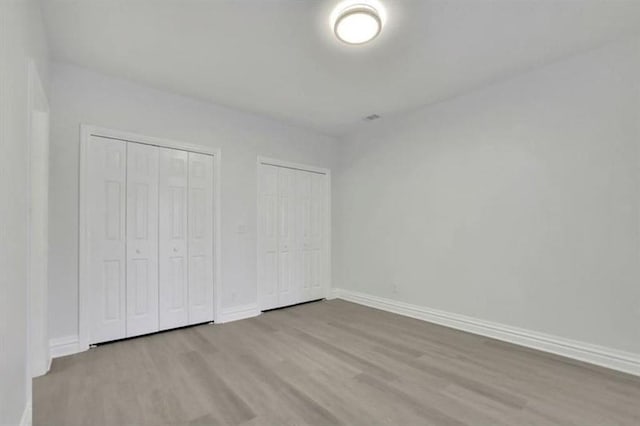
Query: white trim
x=334, y=293
x=147, y=140
x=292, y=165
x=27, y=415
x=86, y=131
x=37, y=330
x=63, y=346
x=328, y=291
x=239, y=312
x=614, y=359
x=328, y=197
x=83, y=244
x=217, y=235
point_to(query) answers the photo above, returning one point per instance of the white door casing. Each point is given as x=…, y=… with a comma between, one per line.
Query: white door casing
x=142, y=239
x=38, y=246
x=200, y=238
x=315, y=240
x=173, y=255
x=39, y=241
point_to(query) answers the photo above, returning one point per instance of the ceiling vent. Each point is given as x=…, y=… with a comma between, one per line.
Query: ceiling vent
x=372, y=117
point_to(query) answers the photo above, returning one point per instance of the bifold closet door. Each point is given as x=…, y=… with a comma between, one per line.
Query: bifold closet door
x=200, y=238
x=268, y=231
x=288, y=256
x=303, y=231
x=173, y=256
x=142, y=239
x=313, y=245
x=105, y=204
x=292, y=258
x=310, y=217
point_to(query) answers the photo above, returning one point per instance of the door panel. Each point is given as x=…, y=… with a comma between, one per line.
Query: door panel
x=200, y=238
x=142, y=239
x=288, y=291
x=173, y=253
x=106, y=235
x=317, y=234
x=268, y=237
x=303, y=227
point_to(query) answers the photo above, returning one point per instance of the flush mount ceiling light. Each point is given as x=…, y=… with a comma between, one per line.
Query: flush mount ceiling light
x=357, y=24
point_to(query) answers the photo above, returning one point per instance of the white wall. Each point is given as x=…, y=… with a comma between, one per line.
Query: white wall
x=517, y=203
x=79, y=96
x=21, y=37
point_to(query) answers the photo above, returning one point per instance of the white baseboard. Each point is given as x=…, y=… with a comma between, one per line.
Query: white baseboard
x=26, y=415
x=334, y=293
x=63, y=346
x=69, y=345
x=239, y=312
x=626, y=362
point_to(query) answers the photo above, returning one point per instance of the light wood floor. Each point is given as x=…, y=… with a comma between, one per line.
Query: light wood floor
x=328, y=363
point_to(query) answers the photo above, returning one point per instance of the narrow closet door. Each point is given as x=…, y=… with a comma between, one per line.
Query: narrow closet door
x=200, y=238
x=173, y=184
x=268, y=240
x=287, y=292
x=142, y=239
x=106, y=188
x=303, y=233
x=316, y=235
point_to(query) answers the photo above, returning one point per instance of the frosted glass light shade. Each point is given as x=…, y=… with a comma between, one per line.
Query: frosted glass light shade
x=358, y=24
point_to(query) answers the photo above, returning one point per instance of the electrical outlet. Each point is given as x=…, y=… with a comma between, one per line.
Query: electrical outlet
x=394, y=287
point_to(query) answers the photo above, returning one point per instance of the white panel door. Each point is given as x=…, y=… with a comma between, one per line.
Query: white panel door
x=106, y=189
x=200, y=238
x=173, y=256
x=314, y=243
x=310, y=229
x=268, y=237
x=142, y=239
x=303, y=233
x=288, y=292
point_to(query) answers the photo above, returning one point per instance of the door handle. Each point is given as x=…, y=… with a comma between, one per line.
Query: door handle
x=137, y=251
x=175, y=249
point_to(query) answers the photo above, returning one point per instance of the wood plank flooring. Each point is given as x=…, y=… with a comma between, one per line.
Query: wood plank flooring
x=328, y=363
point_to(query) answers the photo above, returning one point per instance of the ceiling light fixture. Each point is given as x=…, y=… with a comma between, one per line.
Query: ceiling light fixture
x=357, y=24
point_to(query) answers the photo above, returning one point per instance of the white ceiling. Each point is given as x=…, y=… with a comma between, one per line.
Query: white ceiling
x=280, y=58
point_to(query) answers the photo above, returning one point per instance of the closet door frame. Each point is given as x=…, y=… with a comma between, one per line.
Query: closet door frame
x=328, y=286
x=86, y=133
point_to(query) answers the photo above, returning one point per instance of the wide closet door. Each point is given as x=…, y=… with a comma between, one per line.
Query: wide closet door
x=293, y=242
x=149, y=232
